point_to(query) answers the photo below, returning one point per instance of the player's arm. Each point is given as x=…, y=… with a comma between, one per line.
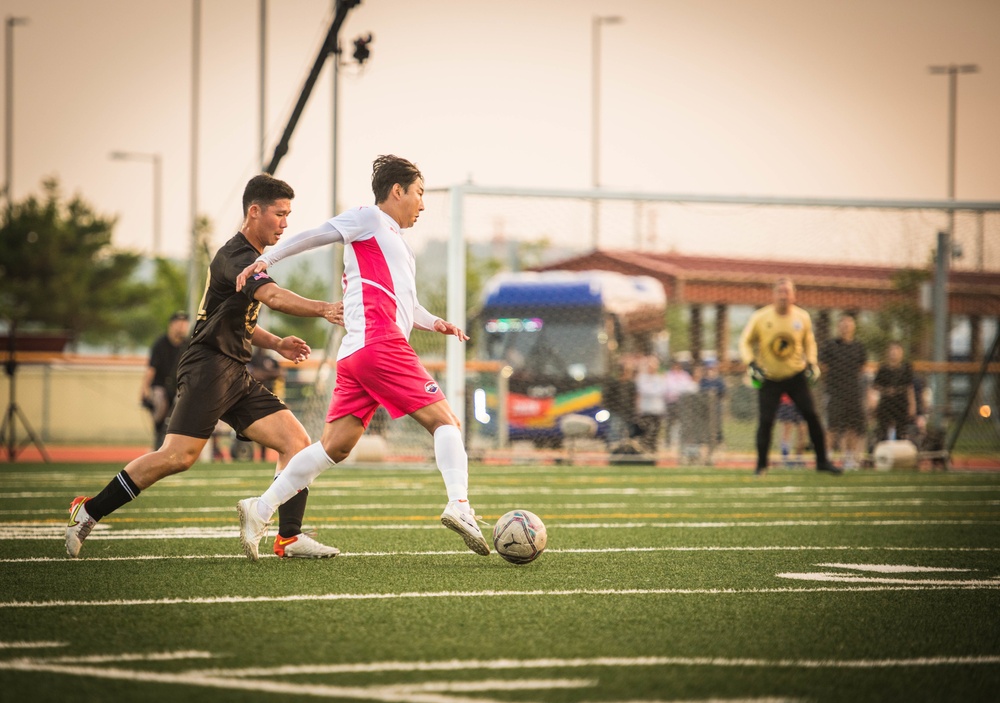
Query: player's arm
x=146, y=391
x=283, y=300
x=291, y=348
x=748, y=339
x=424, y=320
x=809, y=342
x=320, y=236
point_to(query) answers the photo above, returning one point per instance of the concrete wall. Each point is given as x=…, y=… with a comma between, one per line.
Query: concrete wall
x=78, y=403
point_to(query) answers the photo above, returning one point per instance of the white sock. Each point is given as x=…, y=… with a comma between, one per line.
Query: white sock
x=452, y=461
x=301, y=471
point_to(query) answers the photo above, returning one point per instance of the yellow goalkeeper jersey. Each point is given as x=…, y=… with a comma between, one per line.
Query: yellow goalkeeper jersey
x=782, y=345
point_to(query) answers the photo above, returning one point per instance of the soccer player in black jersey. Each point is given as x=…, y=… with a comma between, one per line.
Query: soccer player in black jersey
x=213, y=381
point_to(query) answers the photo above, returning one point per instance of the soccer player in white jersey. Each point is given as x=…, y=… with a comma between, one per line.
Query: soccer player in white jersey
x=376, y=364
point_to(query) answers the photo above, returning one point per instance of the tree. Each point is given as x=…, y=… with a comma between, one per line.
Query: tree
x=902, y=320
x=58, y=270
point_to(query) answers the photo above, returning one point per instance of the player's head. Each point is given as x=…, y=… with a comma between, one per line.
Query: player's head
x=390, y=170
x=264, y=190
x=784, y=294
x=894, y=353
x=398, y=186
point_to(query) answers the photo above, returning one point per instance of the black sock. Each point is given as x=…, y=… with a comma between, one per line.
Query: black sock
x=117, y=493
x=290, y=514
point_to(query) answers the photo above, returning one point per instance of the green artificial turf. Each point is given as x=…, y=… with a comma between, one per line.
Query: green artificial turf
x=657, y=585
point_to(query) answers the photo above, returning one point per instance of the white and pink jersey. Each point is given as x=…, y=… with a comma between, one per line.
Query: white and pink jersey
x=380, y=288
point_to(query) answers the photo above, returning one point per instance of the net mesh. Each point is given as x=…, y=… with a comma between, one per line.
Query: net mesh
x=552, y=372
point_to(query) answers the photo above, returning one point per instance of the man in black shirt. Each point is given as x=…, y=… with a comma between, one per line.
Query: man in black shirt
x=844, y=358
x=897, y=402
x=159, y=383
x=213, y=381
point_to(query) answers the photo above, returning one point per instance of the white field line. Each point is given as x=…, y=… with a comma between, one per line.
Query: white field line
x=892, y=568
x=32, y=645
x=880, y=585
x=850, y=578
x=49, y=531
x=484, y=491
x=316, y=507
x=613, y=662
x=465, y=552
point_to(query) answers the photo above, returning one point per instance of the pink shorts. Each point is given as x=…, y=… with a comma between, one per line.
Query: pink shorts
x=385, y=373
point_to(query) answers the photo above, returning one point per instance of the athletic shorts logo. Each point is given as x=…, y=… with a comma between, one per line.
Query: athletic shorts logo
x=262, y=274
x=431, y=387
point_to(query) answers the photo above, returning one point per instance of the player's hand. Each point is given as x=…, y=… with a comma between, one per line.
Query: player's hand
x=251, y=270
x=334, y=313
x=755, y=374
x=447, y=328
x=293, y=349
x=812, y=373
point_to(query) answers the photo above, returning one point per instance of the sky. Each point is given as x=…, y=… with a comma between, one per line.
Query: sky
x=716, y=97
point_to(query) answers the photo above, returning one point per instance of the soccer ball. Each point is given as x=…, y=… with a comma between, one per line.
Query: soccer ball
x=519, y=536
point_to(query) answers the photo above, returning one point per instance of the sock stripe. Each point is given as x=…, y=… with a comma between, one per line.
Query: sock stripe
x=126, y=484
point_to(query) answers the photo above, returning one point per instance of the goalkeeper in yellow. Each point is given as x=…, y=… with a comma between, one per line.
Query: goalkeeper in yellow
x=779, y=350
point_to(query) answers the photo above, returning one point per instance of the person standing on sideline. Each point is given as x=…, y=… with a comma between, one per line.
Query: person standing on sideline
x=844, y=358
x=213, y=381
x=897, y=401
x=159, y=382
x=651, y=403
x=779, y=350
x=375, y=364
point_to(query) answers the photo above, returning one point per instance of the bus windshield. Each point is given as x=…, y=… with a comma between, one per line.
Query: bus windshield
x=552, y=346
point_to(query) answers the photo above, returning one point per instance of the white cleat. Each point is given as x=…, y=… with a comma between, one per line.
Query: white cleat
x=80, y=525
x=253, y=527
x=302, y=546
x=465, y=523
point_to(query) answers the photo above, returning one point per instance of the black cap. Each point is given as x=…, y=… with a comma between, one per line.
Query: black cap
x=179, y=315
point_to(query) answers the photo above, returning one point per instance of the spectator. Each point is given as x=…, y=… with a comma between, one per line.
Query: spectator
x=266, y=369
x=651, y=404
x=677, y=382
x=159, y=383
x=844, y=358
x=791, y=423
x=714, y=386
x=619, y=399
x=897, y=403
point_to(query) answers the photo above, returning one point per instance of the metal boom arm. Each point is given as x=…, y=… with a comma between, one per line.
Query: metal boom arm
x=329, y=46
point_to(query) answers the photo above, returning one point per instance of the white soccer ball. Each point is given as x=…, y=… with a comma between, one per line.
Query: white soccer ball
x=519, y=536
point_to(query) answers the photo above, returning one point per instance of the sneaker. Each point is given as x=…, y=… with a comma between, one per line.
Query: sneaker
x=80, y=525
x=302, y=546
x=760, y=471
x=464, y=523
x=253, y=528
x=829, y=468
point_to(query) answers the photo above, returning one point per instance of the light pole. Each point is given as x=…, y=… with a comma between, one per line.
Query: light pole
x=8, y=174
x=944, y=249
x=157, y=188
x=595, y=116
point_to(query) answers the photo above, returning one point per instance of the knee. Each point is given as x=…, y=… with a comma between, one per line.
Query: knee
x=337, y=453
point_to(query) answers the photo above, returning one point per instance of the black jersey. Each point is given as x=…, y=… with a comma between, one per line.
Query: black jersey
x=227, y=319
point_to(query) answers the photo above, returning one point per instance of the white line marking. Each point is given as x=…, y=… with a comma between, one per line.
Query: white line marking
x=850, y=578
x=32, y=645
x=890, y=568
x=518, y=664
x=889, y=585
x=148, y=657
x=465, y=552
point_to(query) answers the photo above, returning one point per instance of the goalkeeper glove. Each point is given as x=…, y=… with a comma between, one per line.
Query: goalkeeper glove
x=756, y=374
x=812, y=373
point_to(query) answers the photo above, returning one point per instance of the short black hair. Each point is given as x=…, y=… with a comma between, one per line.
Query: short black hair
x=387, y=171
x=264, y=190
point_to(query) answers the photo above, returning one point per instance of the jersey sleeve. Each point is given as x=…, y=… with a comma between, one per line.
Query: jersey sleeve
x=234, y=265
x=748, y=338
x=325, y=234
x=422, y=319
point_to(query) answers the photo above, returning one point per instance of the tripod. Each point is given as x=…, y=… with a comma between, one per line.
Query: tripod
x=8, y=431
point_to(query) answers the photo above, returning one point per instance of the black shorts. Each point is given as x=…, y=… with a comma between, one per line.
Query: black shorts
x=212, y=386
x=845, y=414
